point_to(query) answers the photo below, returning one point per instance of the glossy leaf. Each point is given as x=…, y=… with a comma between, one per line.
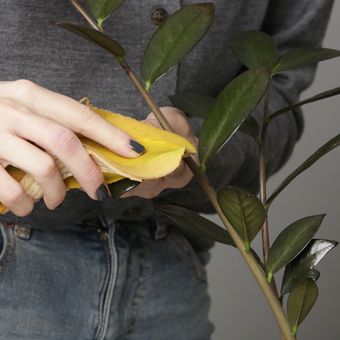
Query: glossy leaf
x=120, y=188
x=244, y=211
x=194, y=105
x=102, y=9
x=234, y=104
x=323, y=150
x=175, y=38
x=96, y=37
x=300, y=302
x=195, y=224
x=250, y=127
x=302, y=267
x=320, y=96
x=291, y=241
x=255, y=49
x=302, y=57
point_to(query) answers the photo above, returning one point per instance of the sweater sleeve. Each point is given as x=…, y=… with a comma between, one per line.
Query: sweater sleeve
x=292, y=24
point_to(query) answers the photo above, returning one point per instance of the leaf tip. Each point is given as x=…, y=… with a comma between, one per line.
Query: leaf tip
x=320, y=217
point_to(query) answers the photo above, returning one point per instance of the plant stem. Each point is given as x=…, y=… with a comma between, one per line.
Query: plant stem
x=85, y=15
x=203, y=181
x=263, y=187
x=263, y=177
x=148, y=99
x=257, y=272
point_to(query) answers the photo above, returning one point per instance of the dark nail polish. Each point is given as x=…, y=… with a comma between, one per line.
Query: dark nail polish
x=102, y=193
x=135, y=146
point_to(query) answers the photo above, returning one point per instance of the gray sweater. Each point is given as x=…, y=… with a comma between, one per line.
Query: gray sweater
x=32, y=47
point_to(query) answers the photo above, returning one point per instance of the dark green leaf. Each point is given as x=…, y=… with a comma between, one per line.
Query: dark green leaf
x=119, y=188
x=299, y=275
x=302, y=267
x=250, y=127
x=175, y=38
x=237, y=100
x=195, y=224
x=303, y=57
x=291, y=242
x=102, y=9
x=300, y=302
x=194, y=105
x=255, y=49
x=320, y=96
x=244, y=211
x=96, y=37
x=323, y=150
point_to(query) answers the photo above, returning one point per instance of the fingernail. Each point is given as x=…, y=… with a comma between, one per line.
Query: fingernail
x=135, y=146
x=102, y=193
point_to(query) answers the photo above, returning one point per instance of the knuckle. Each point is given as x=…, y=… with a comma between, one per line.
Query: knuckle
x=5, y=103
x=47, y=169
x=23, y=88
x=87, y=118
x=14, y=195
x=65, y=142
x=93, y=175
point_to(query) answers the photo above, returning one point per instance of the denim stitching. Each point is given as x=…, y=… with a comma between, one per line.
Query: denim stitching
x=103, y=291
x=139, y=289
x=112, y=277
x=8, y=248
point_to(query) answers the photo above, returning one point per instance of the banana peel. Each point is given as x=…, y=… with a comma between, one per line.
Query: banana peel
x=163, y=153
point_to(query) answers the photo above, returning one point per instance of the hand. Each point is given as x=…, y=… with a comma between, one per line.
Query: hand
x=182, y=175
x=32, y=114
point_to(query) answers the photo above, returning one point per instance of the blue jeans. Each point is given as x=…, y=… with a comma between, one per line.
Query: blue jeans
x=102, y=280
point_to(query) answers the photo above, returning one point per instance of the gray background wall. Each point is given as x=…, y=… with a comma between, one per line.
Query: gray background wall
x=238, y=309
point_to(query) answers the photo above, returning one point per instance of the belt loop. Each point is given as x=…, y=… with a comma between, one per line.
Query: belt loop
x=159, y=230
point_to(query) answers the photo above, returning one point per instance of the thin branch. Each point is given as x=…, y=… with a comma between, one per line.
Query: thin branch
x=85, y=15
x=263, y=177
x=263, y=184
x=148, y=99
x=320, y=96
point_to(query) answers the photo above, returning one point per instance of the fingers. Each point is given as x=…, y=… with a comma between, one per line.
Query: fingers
x=182, y=175
x=12, y=195
x=70, y=113
x=176, y=119
x=179, y=178
x=152, y=188
x=37, y=163
x=65, y=145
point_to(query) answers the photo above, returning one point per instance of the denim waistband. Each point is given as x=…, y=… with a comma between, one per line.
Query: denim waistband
x=157, y=228
x=77, y=210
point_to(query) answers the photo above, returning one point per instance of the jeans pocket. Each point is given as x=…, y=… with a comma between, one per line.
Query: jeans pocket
x=187, y=250
x=7, y=245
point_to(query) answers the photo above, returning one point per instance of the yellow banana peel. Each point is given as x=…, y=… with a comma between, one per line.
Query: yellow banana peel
x=163, y=153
